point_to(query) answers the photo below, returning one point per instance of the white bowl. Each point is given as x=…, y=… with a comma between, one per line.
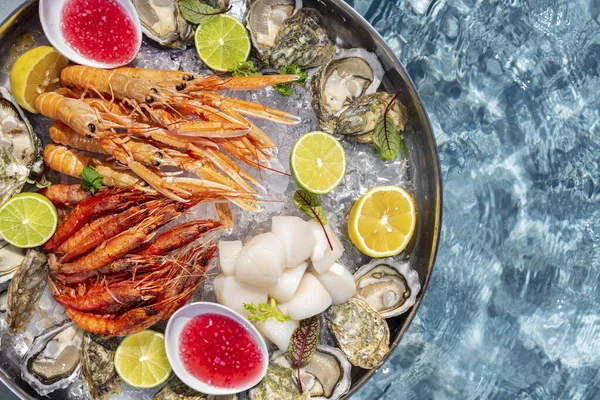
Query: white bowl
x=173, y=332
x=50, y=17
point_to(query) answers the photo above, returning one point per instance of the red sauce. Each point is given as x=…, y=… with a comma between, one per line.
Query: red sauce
x=99, y=30
x=219, y=351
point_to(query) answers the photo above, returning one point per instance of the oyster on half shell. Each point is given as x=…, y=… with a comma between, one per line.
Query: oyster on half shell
x=175, y=389
x=162, y=22
x=359, y=119
x=389, y=287
x=20, y=148
x=306, y=39
x=278, y=384
x=264, y=21
x=325, y=377
x=54, y=360
x=25, y=290
x=98, y=367
x=362, y=334
x=347, y=76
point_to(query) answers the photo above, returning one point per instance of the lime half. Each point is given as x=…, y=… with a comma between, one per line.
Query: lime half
x=222, y=42
x=27, y=220
x=141, y=360
x=318, y=162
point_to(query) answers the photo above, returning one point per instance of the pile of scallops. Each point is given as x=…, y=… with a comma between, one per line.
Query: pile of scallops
x=276, y=265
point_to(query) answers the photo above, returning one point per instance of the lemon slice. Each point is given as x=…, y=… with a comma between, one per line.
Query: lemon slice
x=318, y=162
x=27, y=220
x=35, y=72
x=222, y=42
x=141, y=360
x=382, y=221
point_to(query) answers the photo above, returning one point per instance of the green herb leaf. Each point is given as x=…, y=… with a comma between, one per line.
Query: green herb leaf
x=90, y=179
x=285, y=89
x=387, y=138
x=304, y=342
x=264, y=311
x=310, y=205
x=246, y=68
x=195, y=11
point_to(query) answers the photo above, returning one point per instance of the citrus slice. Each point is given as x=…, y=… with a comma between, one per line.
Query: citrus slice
x=318, y=162
x=141, y=360
x=35, y=72
x=222, y=42
x=27, y=220
x=382, y=221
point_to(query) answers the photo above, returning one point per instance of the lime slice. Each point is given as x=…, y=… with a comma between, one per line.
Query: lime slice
x=27, y=220
x=222, y=42
x=382, y=221
x=318, y=162
x=141, y=360
x=35, y=72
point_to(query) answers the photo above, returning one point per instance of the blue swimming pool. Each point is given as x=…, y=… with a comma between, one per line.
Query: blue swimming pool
x=512, y=89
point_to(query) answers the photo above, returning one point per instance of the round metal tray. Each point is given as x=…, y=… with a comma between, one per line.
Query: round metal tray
x=353, y=31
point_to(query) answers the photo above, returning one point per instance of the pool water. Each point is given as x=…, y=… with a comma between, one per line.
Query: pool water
x=512, y=89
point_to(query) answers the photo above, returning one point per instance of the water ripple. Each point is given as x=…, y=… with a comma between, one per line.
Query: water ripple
x=511, y=88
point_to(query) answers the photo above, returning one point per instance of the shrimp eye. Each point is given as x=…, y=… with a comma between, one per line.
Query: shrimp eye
x=188, y=78
x=89, y=136
x=149, y=99
x=155, y=163
x=154, y=90
x=181, y=86
x=92, y=128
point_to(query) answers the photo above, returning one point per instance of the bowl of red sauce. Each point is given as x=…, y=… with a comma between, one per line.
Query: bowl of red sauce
x=215, y=350
x=96, y=33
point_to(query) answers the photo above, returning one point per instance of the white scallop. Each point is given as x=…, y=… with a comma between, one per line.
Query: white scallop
x=310, y=299
x=339, y=282
x=322, y=256
x=233, y=293
x=288, y=283
x=228, y=253
x=261, y=261
x=296, y=236
x=279, y=333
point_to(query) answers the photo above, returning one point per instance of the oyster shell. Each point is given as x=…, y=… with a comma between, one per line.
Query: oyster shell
x=162, y=22
x=20, y=148
x=175, y=389
x=11, y=258
x=54, y=360
x=25, y=290
x=389, y=287
x=349, y=75
x=305, y=39
x=98, y=367
x=325, y=377
x=362, y=334
x=278, y=384
x=264, y=21
x=359, y=119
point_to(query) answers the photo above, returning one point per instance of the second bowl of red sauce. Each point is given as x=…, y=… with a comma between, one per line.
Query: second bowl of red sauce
x=215, y=350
